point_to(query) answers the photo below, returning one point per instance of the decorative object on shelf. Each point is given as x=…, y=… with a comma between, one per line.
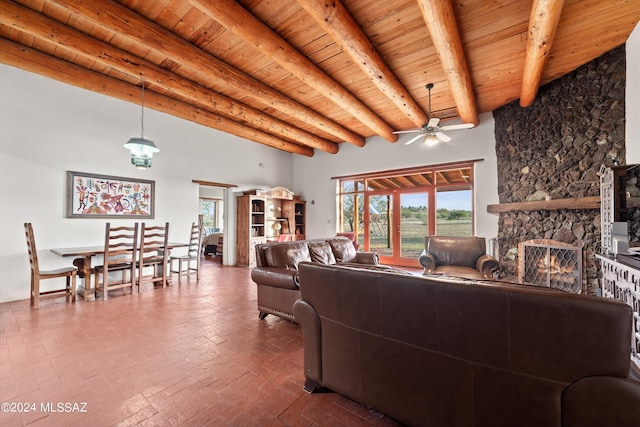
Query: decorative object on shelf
x=104, y=196
x=276, y=193
x=141, y=149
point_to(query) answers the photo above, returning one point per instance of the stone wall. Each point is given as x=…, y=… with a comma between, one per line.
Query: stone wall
x=554, y=149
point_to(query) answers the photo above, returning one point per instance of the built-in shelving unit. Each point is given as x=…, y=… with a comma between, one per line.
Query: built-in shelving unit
x=251, y=227
x=300, y=214
x=264, y=216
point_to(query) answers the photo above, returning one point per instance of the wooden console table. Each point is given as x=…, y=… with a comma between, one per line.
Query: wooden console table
x=621, y=281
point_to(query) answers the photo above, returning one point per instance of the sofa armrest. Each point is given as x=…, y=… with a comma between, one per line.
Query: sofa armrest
x=428, y=261
x=367, y=258
x=601, y=401
x=488, y=266
x=276, y=277
x=309, y=321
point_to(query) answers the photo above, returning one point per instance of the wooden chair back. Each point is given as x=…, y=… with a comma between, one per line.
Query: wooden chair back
x=120, y=254
x=69, y=291
x=153, y=253
x=195, y=241
x=193, y=253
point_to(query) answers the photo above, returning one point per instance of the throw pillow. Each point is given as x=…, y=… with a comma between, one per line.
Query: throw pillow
x=343, y=249
x=321, y=252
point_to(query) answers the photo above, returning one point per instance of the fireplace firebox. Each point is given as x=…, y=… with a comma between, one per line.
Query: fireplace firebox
x=551, y=264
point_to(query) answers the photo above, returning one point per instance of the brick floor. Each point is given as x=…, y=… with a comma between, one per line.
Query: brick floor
x=191, y=354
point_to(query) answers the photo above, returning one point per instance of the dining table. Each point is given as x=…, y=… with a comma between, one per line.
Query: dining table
x=87, y=253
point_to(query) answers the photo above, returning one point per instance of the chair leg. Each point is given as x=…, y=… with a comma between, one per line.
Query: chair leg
x=73, y=288
x=35, y=293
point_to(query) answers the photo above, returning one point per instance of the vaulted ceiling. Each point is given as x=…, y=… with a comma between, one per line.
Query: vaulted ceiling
x=306, y=75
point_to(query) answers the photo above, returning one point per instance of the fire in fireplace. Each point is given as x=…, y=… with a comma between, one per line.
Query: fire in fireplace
x=552, y=264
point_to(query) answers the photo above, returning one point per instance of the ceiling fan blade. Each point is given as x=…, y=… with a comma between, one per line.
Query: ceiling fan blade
x=460, y=126
x=406, y=131
x=433, y=122
x=412, y=140
x=442, y=137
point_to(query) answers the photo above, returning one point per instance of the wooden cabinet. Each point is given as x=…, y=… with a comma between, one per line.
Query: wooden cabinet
x=296, y=214
x=251, y=228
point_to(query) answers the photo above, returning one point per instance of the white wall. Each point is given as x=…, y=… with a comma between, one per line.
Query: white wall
x=312, y=176
x=48, y=128
x=632, y=97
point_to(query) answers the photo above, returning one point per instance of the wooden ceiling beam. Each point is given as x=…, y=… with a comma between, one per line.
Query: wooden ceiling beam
x=404, y=181
x=243, y=24
x=336, y=20
x=116, y=18
x=441, y=22
x=28, y=59
x=38, y=25
x=545, y=15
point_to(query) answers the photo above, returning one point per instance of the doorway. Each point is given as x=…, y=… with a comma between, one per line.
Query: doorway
x=395, y=224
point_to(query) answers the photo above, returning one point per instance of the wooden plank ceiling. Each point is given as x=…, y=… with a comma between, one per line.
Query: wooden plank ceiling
x=306, y=75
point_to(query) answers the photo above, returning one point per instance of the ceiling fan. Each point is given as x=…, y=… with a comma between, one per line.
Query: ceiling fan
x=430, y=131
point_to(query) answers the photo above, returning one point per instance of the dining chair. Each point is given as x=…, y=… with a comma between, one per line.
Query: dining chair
x=120, y=254
x=153, y=253
x=192, y=255
x=37, y=275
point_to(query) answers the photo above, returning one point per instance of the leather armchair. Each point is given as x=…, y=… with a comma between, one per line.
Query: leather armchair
x=458, y=256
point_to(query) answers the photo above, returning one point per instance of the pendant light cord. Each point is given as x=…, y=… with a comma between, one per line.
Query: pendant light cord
x=142, y=113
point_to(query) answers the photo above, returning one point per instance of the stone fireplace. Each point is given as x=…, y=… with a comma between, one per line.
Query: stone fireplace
x=551, y=264
x=549, y=155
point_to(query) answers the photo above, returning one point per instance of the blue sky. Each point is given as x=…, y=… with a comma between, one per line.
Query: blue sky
x=458, y=200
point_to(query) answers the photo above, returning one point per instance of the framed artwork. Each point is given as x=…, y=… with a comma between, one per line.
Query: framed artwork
x=103, y=196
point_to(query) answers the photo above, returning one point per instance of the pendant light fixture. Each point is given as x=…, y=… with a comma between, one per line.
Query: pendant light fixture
x=141, y=149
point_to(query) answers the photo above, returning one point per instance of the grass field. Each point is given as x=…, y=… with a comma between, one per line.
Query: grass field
x=413, y=233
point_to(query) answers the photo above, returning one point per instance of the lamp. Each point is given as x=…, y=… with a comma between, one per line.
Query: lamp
x=430, y=139
x=141, y=149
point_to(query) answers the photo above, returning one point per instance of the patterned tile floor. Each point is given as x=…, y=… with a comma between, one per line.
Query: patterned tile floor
x=192, y=354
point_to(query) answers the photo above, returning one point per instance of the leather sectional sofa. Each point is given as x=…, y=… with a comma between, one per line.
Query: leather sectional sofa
x=431, y=351
x=276, y=271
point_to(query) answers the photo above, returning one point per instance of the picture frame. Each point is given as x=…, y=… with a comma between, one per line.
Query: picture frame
x=91, y=195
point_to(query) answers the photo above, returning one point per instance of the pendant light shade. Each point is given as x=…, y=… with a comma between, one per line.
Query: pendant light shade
x=141, y=149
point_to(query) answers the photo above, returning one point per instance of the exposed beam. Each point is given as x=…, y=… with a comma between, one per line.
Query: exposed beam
x=441, y=22
x=116, y=18
x=38, y=25
x=336, y=20
x=240, y=22
x=213, y=184
x=37, y=62
x=543, y=22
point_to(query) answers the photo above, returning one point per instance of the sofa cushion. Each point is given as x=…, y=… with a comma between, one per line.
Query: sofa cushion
x=287, y=255
x=343, y=249
x=321, y=252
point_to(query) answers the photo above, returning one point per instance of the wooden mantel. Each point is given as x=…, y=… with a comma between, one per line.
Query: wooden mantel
x=592, y=202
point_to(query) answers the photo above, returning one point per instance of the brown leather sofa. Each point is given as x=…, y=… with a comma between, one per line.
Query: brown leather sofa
x=434, y=351
x=458, y=256
x=276, y=271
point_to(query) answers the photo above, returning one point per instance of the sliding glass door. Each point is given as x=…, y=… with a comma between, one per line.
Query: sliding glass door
x=396, y=225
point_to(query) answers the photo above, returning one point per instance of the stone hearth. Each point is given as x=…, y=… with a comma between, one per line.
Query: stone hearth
x=554, y=150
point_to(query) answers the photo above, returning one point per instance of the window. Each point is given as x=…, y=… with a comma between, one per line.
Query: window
x=391, y=212
x=211, y=211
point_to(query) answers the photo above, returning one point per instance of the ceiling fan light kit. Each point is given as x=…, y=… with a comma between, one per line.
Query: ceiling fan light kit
x=431, y=131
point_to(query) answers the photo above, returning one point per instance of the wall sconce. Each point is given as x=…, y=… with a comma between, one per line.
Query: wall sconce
x=141, y=149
